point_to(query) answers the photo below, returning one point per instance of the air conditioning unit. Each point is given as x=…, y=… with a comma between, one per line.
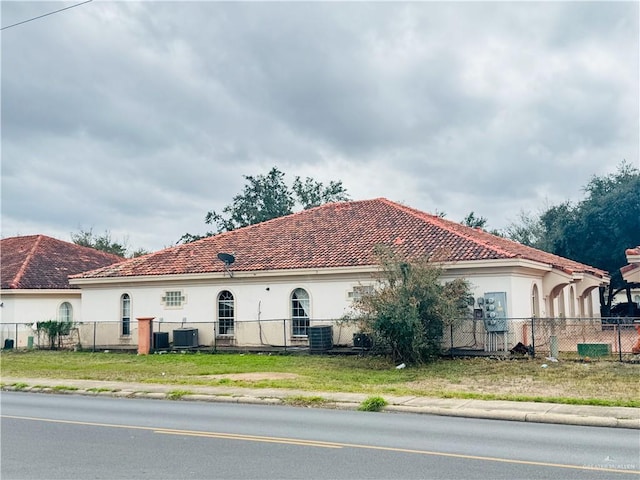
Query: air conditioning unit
x=185, y=338
x=362, y=341
x=320, y=338
x=160, y=340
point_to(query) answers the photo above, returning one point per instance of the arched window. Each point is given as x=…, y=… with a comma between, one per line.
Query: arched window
x=65, y=312
x=299, y=312
x=226, y=313
x=535, y=301
x=125, y=314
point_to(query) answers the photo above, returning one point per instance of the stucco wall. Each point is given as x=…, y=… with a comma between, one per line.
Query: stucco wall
x=268, y=300
x=22, y=309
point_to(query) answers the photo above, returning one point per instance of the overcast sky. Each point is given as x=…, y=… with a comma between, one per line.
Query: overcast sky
x=139, y=117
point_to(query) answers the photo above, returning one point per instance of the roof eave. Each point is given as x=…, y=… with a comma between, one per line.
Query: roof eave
x=237, y=275
x=40, y=291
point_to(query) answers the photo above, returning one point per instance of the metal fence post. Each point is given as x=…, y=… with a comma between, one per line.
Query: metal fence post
x=93, y=348
x=215, y=338
x=451, y=339
x=619, y=341
x=533, y=337
x=284, y=333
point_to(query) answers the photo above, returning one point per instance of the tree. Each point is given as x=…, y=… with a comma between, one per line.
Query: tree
x=313, y=194
x=479, y=222
x=104, y=243
x=474, y=222
x=407, y=313
x=596, y=230
x=527, y=230
x=265, y=197
x=87, y=238
x=54, y=330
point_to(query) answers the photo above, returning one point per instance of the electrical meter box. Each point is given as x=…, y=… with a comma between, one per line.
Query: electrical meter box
x=495, y=311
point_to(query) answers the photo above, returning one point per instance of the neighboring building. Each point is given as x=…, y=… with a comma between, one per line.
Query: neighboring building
x=304, y=269
x=631, y=272
x=34, y=281
x=631, y=275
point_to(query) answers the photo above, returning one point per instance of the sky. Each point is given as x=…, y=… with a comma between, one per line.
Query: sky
x=137, y=118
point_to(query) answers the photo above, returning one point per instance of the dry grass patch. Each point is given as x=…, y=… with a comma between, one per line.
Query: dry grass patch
x=251, y=376
x=570, y=381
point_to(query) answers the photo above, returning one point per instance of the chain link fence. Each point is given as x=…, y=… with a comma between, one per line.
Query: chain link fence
x=605, y=338
x=560, y=338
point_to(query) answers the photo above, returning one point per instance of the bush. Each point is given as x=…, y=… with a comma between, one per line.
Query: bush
x=54, y=330
x=407, y=312
x=373, y=404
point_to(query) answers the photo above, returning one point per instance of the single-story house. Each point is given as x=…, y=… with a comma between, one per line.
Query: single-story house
x=266, y=284
x=631, y=275
x=35, y=285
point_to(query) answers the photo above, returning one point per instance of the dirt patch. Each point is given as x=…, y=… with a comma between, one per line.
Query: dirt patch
x=521, y=386
x=253, y=377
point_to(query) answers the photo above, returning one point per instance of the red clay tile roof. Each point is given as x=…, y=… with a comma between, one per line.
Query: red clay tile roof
x=334, y=235
x=631, y=266
x=41, y=262
x=633, y=251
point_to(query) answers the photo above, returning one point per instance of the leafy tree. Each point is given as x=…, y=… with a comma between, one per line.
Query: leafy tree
x=595, y=231
x=54, y=330
x=527, y=229
x=479, y=222
x=192, y=237
x=139, y=252
x=267, y=196
x=264, y=197
x=407, y=313
x=104, y=243
x=312, y=193
x=474, y=222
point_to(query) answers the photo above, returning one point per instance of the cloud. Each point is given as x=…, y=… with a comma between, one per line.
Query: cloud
x=139, y=117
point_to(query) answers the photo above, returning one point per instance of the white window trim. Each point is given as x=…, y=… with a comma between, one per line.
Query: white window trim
x=306, y=318
x=233, y=319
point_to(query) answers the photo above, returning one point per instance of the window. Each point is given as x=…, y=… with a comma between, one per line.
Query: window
x=535, y=301
x=226, y=313
x=173, y=298
x=359, y=291
x=125, y=314
x=65, y=312
x=299, y=312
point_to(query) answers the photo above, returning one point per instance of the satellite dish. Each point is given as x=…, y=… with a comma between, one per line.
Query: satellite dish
x=227, y=258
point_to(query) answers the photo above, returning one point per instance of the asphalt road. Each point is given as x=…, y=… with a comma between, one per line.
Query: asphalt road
x=67, y=437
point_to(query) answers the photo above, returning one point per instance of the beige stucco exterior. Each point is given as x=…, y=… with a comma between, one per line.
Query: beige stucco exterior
x=21, y=308
x=262, y=299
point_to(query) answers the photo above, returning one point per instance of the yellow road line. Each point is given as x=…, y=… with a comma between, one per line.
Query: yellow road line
x=250, y=438
x=321, y=444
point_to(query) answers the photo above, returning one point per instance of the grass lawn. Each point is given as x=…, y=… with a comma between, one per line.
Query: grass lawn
x=594, y=383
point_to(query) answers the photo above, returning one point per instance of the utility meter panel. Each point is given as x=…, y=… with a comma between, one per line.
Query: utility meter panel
x=495, y=311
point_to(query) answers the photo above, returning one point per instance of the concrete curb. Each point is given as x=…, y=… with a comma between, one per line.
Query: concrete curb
x=612, y=417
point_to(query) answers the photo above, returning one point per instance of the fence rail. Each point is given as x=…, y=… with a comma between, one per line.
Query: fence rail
x=606, y=338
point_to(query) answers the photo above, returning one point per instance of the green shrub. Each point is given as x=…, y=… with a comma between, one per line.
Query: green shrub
x=177, y=394
x=373, y=404
x=54, y=330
